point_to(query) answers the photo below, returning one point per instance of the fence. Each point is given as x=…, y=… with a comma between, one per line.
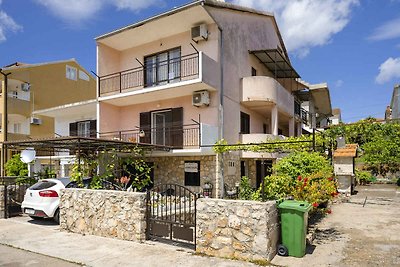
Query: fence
x=12, y=192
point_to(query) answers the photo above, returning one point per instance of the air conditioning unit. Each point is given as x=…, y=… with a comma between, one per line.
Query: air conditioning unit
x=25, y=87
x=199, y=33
x=36, y=121
x=201, y=98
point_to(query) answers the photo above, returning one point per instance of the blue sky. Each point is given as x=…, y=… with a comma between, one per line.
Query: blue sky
x=353, y=45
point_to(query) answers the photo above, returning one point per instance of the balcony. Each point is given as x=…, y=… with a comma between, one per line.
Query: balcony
x=301, y=113
x=260, y=93
x=17, y=136
x=178, y=137
x=166, y=79
x=19, y=106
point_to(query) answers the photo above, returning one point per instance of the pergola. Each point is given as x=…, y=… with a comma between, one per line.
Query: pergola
x=75, y=145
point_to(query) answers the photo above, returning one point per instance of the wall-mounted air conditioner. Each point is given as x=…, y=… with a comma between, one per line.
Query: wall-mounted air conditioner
x=25, y=87
x=201, y=98
x=36, y=121
x=199, y=33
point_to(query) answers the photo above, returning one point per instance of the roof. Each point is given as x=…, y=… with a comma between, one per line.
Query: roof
x=350, y=150
x=275, y=61
x=183, y=7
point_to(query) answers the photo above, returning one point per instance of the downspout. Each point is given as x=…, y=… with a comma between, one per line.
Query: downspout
x=5, y=121
x=219, y=168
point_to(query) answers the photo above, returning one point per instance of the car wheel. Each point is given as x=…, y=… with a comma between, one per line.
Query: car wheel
x=56, y=217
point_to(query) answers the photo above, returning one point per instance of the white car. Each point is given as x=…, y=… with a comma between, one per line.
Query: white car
x=42, y=199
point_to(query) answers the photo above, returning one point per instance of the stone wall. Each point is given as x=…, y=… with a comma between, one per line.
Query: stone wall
x=2, y=204
x=105, y=213
x=246, y=230
x=172, y=170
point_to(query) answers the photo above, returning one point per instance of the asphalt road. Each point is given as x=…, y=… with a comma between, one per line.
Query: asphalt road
x=15, y=257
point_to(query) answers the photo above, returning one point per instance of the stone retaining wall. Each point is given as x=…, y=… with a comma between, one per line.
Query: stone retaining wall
x=246, y=230
x=2, y=204
x=105, y=213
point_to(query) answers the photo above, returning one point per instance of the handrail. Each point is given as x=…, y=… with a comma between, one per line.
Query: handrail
x=141, y=67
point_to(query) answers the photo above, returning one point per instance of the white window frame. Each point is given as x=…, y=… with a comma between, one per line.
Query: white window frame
x=83, y=128
x=71, y=73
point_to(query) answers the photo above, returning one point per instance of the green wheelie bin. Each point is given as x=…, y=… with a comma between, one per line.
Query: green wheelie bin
x=294, y=220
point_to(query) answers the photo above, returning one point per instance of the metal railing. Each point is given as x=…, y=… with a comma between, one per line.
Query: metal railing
x=174, y=136
x=152, y=74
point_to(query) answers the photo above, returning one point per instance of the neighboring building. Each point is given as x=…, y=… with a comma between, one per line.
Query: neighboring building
x=336, y=116
x=394, y=104
x=43, y=100
x=199, y=73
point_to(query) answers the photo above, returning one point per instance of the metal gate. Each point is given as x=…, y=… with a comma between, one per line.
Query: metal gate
x=171, y=215
x=14, y=191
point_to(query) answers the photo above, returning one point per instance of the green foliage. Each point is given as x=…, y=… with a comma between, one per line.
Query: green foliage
x=245, y=190
x=275, y=187
x=15, y=167
x=304, y=164
x=45, y=173
x=364, y=177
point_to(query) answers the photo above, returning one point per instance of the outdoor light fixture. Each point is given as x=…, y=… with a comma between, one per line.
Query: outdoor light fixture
x=142, y=133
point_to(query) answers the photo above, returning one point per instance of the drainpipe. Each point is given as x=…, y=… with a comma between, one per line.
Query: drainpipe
x=5, y=120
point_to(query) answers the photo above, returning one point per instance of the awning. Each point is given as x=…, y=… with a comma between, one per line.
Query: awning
x=274, y=60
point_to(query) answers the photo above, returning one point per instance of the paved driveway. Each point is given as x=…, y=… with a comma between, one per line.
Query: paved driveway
x=357, y=235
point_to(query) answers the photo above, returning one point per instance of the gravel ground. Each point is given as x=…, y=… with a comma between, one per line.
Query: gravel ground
x=357, y=235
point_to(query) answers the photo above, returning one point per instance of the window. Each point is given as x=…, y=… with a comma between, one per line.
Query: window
x=253, y=72
x=162, y=68
x=17, y=128
x=244, y=123
x=192, y=173
x=83, y=128
x=71, y=73
x=83, y=76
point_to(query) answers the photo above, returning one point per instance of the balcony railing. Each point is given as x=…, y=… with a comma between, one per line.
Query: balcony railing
x=186, y=136
x=152, y=74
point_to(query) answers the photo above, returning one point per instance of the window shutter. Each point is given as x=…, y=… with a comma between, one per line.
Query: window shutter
x=73, y=129
x=145, y=125
x=93, y=128
x=177, y=127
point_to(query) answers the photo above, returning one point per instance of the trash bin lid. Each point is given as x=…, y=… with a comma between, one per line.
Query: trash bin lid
x=295, y=205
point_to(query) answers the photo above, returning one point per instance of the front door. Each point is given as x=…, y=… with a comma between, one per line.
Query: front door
x=263, y=169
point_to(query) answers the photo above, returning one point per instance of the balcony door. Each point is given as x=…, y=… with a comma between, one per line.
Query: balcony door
x=163, y=127
x=163, y=67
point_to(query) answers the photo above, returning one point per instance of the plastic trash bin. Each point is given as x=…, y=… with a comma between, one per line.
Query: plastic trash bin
x=294, y=220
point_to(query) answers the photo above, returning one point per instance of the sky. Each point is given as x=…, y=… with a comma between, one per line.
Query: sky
x=353, y=45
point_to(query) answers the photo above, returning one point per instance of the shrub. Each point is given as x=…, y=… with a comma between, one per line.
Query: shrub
x=245, y=189
x=15, y=167
x=303, y=164
x=275, y=187
x=364, y=177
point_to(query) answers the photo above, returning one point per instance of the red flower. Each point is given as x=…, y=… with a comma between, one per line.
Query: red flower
x=329, y=211
x=299, y=178
x=305, y=180
x=315, y=204
x=330, y=178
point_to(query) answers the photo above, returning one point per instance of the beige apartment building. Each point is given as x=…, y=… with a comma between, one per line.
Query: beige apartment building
x=191, y=76
x=32, y=93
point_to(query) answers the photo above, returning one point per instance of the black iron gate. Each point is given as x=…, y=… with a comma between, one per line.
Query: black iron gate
x=14, y=191
x=171, y=214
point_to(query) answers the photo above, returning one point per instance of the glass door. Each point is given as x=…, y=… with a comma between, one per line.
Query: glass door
x=159, y=126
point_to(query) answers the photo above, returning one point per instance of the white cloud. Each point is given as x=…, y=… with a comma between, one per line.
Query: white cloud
x=7, y=24
x=78, y=11
x=306, y=23
x=389, y=30
x=388, y=70
x=339, y=83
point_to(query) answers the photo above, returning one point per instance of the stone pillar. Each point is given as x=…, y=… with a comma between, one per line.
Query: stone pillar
x=274, y=120
x=291, y=126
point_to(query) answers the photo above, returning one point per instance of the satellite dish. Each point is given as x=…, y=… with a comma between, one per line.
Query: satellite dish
x=28, y=155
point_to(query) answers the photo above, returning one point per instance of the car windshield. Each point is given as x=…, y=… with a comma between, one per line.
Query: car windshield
x=43, y=184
